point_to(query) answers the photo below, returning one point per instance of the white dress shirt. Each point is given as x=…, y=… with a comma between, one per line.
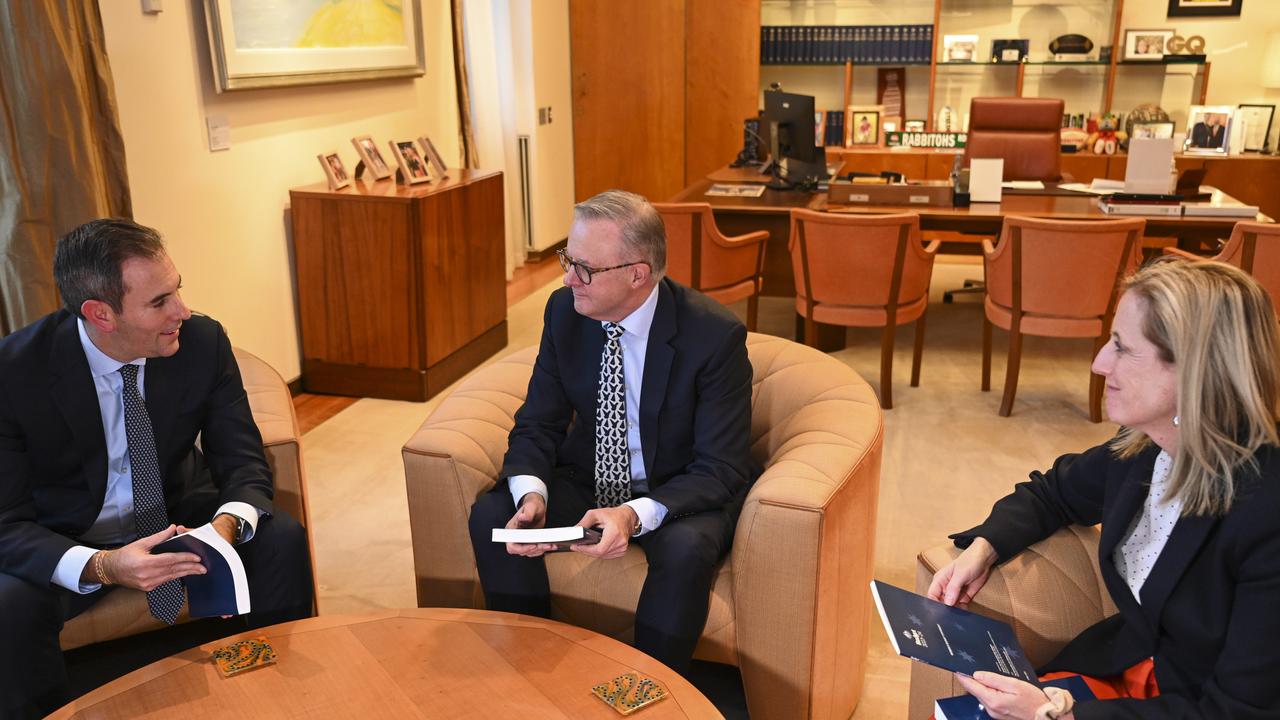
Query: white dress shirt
x=115, y=525
x=635, y=343
x=1147, y=535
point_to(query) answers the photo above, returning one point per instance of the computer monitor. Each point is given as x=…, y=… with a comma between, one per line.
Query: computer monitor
x=791, y=124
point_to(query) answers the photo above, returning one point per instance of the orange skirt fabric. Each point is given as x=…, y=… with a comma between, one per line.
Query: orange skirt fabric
x=1137, y=683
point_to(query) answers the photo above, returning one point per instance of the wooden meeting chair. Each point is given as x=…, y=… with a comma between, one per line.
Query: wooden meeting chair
x=863, y=271
x=1055, y=278
x=727, y=269
x=1253, y=247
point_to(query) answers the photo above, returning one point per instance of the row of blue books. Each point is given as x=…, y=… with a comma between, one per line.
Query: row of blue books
x=871, y=44
x=831, y=128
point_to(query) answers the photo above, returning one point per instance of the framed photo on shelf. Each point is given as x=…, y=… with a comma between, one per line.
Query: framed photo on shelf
x=333, y=170
x=411, y=164
x=1209, y=129
x=1146, y=44
x=256, y=45
x=1257, y=126
x=1152, y=130
x=959, y=48
x=913, y=126
x=433, y=156
x=864, y=125
x=1009, y=51
x=1201, y=8
x=372, y=159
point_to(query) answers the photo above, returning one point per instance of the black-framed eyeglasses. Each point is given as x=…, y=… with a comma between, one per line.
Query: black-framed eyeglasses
x=584, y=271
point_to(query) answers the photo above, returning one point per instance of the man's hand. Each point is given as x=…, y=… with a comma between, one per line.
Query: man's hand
x=615, y=524
x=226, y=526
x=531, y=514
x=134, y=566
x=1005, y=698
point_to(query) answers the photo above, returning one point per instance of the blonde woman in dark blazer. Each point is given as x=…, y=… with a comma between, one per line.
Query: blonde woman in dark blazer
x=1188, y=494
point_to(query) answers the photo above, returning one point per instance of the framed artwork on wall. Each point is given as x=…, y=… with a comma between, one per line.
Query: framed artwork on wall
x=1201, y=8
x=260, y=44
x=1146, y=44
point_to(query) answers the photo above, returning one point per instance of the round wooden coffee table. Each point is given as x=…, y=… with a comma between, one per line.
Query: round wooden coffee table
x=426, y=662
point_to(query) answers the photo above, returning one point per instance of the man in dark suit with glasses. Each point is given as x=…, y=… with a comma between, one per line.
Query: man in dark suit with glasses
x=637, y=421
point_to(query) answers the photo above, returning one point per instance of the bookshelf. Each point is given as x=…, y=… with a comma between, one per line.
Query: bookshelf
x=1087, y=86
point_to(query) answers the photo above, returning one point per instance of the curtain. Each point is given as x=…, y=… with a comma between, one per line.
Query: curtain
x=466, y=136
x=492, y=77
x=61, y=152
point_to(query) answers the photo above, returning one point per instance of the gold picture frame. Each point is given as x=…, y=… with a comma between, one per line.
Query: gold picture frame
x=290, y=44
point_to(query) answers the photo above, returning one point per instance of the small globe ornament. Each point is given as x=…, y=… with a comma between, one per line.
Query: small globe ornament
x=1147, y=112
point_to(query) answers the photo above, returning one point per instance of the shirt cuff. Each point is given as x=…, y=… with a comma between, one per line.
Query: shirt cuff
x=246, y=512
x=521, y=485
x=650, y=511
x=69, y=569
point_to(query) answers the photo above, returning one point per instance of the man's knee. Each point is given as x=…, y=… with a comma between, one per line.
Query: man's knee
x=686, y=549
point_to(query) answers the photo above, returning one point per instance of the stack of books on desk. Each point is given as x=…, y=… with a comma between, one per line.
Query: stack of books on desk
x=1140, y=204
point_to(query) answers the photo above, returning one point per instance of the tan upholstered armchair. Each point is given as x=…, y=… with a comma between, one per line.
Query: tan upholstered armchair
x=124, y=611
x=1049, y=593
x=790, y=605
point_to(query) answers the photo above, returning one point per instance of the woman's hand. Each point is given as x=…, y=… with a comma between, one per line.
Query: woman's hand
x=1005, y=698
x=960, y=580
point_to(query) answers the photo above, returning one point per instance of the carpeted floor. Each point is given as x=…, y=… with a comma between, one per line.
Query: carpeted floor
x=947, y=457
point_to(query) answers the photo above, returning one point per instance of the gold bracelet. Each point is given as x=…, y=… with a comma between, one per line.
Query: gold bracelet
x=98, y=568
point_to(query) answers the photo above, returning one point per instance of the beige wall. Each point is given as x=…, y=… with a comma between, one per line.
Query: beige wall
x=552, y=161
x=225, y=214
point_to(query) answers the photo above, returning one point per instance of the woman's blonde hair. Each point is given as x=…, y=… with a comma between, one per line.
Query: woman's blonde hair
x=1216, y=325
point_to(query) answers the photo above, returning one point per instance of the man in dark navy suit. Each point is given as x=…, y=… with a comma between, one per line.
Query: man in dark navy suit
x=101, y=404
x=637, y=421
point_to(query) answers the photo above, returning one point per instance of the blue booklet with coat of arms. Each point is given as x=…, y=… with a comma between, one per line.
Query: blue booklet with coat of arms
x=949, y=637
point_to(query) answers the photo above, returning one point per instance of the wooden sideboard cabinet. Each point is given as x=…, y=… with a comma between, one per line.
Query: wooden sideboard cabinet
x=401, y=289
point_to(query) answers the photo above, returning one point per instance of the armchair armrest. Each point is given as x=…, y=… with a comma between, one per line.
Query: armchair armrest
x=454, y=457
x=751, y=238
x=1049, y=593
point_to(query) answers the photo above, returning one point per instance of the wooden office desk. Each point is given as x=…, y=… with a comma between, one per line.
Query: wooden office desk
x=771, y=211
x=419, y=663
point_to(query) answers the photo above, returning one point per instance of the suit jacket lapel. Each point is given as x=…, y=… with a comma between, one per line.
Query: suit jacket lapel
x=163, y=393
x=657, y=368
x=1184, y=542
x=73, y=391
x=1124, y=508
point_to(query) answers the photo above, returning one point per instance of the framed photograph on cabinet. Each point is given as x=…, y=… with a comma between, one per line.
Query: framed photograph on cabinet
x=1208, y=129
x=1146, y=44
x=1009, y=51
x=412, y=166
x=433, y=156
x=274, y=44
x=367, y=149
x=333, y=170
x=1257, y=126
x=864, y=125
x=1201, y=8
x=1152, y=130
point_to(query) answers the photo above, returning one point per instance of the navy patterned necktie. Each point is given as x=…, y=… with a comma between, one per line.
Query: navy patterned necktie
x=613, y=460
x=149, y=513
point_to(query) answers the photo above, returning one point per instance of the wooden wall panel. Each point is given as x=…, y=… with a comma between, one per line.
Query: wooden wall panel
x=628, y=63
x=722, y=44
